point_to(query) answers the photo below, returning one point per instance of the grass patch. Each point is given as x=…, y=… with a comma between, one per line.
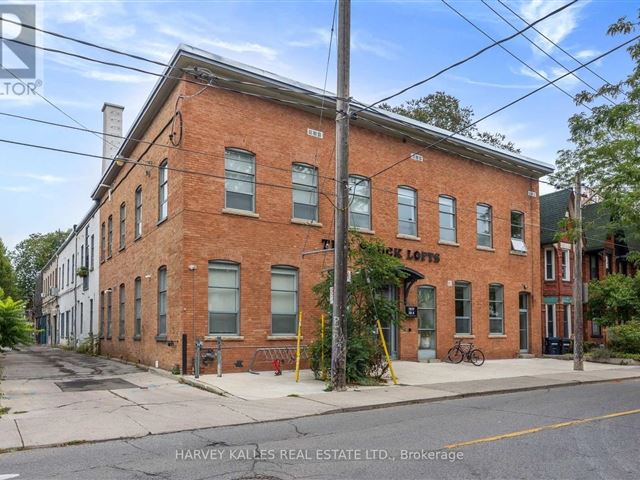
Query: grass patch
x=293, y=395
x=4, y=410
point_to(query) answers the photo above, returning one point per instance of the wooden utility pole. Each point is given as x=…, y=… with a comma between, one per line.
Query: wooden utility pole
x=578, y=342
x=338, y=345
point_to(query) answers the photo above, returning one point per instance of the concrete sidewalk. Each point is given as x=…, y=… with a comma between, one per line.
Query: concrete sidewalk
x=42, y=416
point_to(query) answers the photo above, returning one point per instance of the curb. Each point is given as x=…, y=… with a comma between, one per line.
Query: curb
x=358, y=408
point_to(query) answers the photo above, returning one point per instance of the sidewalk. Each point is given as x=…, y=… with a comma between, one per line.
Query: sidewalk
x=168, y=406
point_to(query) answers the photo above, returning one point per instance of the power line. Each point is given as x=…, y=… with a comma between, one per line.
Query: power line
x=504, y=107
x=466, y=59
x=461, y=15
x=555, y=44
x=547, y=53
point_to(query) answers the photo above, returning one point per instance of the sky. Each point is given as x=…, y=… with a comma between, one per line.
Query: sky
x=394, y=44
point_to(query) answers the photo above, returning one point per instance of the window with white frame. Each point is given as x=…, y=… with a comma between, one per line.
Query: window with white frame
x=224, y=298
x=305, y=192
x=550, y=323
x=496, y=309
x=123, y=225
x=162, y=302
x=517, y=232
x=407, y=211
x=566, y=265
x=484, y=225
x=239, y=184
x=121, y=312
x=137, y=308
x=567, y=327
x=447, y=213
x=463, y=308
x=110, y=236
x=163, y=190
x=359, y=202
x=138, y=213
x=549, y=264
x=284, y=300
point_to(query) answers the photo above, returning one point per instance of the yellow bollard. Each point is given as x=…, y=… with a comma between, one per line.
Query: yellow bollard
x=298, y=346
x=324, y=371
x=386, y=353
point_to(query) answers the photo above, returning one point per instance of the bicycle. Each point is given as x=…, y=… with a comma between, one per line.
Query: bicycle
x=465, y=351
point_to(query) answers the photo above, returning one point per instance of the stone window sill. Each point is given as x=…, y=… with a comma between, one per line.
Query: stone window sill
x=518, y=252
x=283, y=337
x=485, y=249
x=109, y=337
x=225, y=338
x=302, y=221
x=161, y=338
x=446, y=242
x=463, y=335
x=362, y=230
x=404, y=236
x=497, y=335
x=137, y=338
x=242, y=213
x=121, y=338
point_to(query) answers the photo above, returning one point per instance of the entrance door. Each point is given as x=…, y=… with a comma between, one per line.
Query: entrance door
x=390, y=330
x=524, y=322
x=426, y=322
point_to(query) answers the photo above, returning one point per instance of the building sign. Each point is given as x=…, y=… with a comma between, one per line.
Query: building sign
x=411, y=311
x=403, y=253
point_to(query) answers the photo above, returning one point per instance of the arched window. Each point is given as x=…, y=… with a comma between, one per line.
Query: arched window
x=305, y=192
x=496, y=309
x=123, y=224
x=162, y=302
x=447, y=210
x=359, y=202
x=407, y=211
x=224, y=298
x=484, y=225
x=284, y=300
x=137, y=232
x=163, y=190
x=463, y=308
x=239, y=184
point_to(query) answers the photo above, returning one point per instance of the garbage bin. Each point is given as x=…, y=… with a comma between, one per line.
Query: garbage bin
x=554, y=345
x=567, y=346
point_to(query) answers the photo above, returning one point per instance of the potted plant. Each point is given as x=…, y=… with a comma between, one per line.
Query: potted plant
x=82, y=272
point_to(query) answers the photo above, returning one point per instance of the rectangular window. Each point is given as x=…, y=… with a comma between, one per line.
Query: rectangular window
x=123, y=225
x=138, y=213
x=109, y=297
x=68, y=271
x=239, y=184
x=92, y=252
x=163, y=191
x=567, y=329
x=109, y=236
x=596, y=330
x=284, y=301
x=91, y=316
x=447, y=209
x=608, y=263
x=162, y=302
x=224, y=298
x=62, y=325
x=137, y=309
x=463, y=308
x=517, y=232
x=483, y=225
x=101, y=326
x=427, y=317
x=121, y=312
x=496, y=309
x=594, y=267
x=81, y=316
x=73, y=268
x=82, y=256
x=103, y=242
x=359, y=203
x=551, y=319
x=305, y=192
x=549, y=264
x=407, y=211
x=566, y=265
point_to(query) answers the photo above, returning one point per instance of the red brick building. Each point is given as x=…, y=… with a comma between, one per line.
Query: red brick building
x=204, y=229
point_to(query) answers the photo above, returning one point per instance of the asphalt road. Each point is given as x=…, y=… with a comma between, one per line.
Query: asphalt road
x=379, y=442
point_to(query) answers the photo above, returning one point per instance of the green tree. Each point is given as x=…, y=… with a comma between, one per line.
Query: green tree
x=7, y=275
x=614, y=300
x=444, y=111
x=31, y=255
x=372, y=269
x=14, y=327
x=606, y=143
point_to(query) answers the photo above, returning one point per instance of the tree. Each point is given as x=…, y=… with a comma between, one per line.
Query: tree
x=31, y=255
x=14, y=327
x=444, y=111
x=7, y=275
x=372, y=269
x=614, y=300
x=606, y=143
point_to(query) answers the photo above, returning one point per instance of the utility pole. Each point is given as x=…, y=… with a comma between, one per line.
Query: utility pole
x=338, y=345
x=578, y=343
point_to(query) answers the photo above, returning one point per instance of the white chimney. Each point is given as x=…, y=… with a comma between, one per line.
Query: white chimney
x=111, y=125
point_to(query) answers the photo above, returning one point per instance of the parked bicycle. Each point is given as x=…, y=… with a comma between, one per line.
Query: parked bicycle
x=467, y=352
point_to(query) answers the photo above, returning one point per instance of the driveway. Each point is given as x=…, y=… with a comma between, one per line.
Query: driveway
x=56, y=396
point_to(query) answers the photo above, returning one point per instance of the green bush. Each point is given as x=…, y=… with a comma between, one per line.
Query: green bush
x=625, y=338
x=588, y=346
x=600, y=354
x=14, y=327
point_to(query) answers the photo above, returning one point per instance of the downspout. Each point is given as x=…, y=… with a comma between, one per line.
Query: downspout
x=75, y=290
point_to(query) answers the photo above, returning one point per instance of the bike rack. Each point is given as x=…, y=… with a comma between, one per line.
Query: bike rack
x=282, y=354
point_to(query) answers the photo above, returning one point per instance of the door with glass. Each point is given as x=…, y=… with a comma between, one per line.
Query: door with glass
x=523, y=311
x=390, y=329
x=426, y=322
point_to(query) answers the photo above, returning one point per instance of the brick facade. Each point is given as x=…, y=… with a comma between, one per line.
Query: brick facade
x=199, y=229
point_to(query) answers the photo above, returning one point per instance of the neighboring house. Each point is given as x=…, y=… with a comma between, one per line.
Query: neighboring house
x=237, y=185
x=49, y=297
x=35, y=313
x=604, y=252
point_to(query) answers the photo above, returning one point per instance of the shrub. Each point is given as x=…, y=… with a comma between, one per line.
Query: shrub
x=600, y=354
x=589, y=346
x=14, y=327
x=625, y=338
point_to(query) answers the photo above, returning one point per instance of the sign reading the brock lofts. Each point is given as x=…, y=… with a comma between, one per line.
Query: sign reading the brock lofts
x=406, y=253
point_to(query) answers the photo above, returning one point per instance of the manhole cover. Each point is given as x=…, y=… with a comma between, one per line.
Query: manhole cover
x=88, y=385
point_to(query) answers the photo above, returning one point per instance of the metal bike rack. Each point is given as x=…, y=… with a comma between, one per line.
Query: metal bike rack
x=284, y=354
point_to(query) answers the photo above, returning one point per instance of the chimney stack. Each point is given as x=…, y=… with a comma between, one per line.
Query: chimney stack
x=111, y=125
